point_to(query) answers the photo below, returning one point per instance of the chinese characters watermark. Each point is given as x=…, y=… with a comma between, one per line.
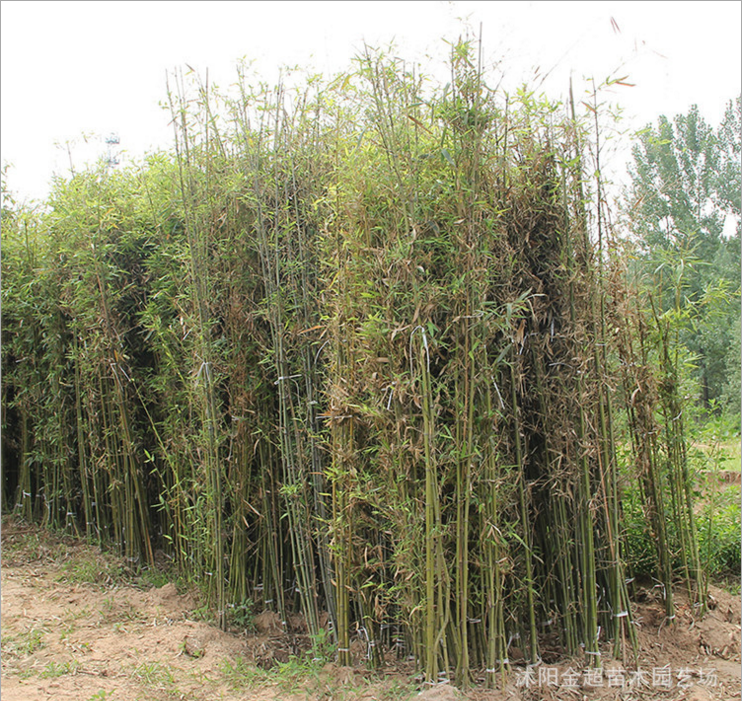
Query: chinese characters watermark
x=614, y=677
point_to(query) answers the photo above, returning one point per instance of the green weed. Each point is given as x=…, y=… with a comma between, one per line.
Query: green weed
x=101, y=695
x=66, y=631
x=241, y=615
x=239, y=673
x=23, y=644
x=719, y=533
x=111, y=613
x=323, y=648
x=55, y=669
x=93, y=569
x=154, y=674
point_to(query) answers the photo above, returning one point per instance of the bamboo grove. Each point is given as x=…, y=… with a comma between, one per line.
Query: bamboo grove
x=351, y=351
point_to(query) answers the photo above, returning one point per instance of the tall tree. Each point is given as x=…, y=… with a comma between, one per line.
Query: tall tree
x=685, y=188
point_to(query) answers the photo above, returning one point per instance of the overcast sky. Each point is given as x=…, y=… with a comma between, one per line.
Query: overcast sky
x=74, y=68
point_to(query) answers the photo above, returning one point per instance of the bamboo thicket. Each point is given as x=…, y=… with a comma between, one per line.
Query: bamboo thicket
x=346, y=355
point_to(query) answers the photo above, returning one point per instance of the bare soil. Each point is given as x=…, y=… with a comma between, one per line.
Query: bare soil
x=74, y=628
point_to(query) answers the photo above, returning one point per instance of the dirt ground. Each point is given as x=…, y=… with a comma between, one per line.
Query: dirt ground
x=73, y=629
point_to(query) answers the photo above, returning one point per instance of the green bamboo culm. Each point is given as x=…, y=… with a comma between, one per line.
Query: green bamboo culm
x=347, y=355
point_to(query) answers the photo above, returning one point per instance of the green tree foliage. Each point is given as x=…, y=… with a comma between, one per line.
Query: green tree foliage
x=685, y=192
x=728, y=178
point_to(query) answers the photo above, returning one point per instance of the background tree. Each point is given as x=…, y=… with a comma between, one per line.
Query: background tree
x=685, y=189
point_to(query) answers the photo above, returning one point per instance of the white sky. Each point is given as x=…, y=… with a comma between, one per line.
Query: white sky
x=69, y=68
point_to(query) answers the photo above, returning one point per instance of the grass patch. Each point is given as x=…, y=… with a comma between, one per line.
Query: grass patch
x=97, y=569
x=155, y=675
x=288, y=676
x=719, y=443
x=298, y=673
x=240, y=674
x=719, y=525
x=719, y=456
x=398, y=690
x=59, y=669
x=112, y=613
x=310, y=676
x=24, y=543
x=23, y=644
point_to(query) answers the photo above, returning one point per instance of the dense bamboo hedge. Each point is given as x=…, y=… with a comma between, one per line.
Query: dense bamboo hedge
x=349, y=351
